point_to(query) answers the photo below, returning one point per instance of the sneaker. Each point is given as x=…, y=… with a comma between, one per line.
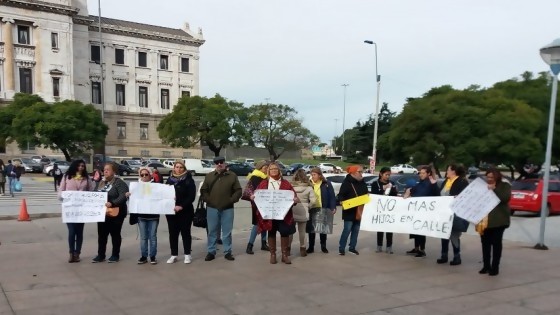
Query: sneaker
x=188, y=259
x=353, y=251
x=153, y=260
x=341, y=253
x=113, y=259
x=420, y=254
x=379, y=249
x=389, y=250
x=142, y=260
x=172, y=259
x=413, y=251
x=98, y=259
x=209, y=257
x=229, y=257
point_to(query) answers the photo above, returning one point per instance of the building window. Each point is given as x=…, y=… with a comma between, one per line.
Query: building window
x=96, y=92
x=23, y=32
x=185, y=93
x=95, y=54
x=143, y=131
x=164, y=62
x=56, y=87
x=120, y=89
x=119, y=56
x=122, y=152
x=184, y=64
x=143, y=96
x=54, y=40
x=166, y=154
x=142, y=59
x=121, y=130
x=25, y=81
x=165, y=98
x=145, y=152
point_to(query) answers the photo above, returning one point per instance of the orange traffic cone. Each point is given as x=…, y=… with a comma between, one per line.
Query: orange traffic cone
x=23, y=215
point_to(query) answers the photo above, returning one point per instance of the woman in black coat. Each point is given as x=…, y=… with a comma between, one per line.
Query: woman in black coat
x=352, y=187
x=383, y=186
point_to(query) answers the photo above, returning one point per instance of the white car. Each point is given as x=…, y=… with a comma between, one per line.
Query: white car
x=62, y=165
x=329, y=168
x=404, y=169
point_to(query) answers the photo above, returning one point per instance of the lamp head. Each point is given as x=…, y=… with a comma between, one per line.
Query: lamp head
x=551, y=55
x=368, y=42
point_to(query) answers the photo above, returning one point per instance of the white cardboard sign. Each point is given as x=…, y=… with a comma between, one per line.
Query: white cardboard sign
x=274, y=204
x=151, y=198
x=475, y=201
x=83, y=206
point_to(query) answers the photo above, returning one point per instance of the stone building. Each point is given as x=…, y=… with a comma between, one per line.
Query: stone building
x=52, y=48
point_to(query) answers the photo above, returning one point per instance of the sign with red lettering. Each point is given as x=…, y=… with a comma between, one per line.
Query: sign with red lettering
x=429, y=216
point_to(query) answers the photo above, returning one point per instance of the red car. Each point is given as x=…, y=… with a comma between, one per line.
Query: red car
x=526, y=195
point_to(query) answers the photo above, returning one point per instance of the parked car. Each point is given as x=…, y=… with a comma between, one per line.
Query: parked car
x=473, y=170
x=37, y=158
x=153, y=165
x=62, y=165
x=124, y=170
x=209, y=163
x=403, y=169
x=329, y=168
x=526, y=195
x=337, y=179
x=30, y=165
x=307, y=168
x=134, y=165
x=296, y=166
x=241, y=169
x=194, y=166
x=399, y=180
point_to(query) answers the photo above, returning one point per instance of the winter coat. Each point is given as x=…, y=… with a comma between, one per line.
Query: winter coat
x=351, y=188
x=306, y=197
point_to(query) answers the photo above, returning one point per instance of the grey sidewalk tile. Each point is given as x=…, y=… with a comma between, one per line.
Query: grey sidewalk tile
x=518, y=292
x=407, y=310
x=508, y=309
x=543, y=303
x=458, y=304
x=425, y=295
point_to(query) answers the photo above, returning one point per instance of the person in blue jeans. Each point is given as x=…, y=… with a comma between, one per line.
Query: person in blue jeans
x=220, y=190
x=353, y=186
x=13, y=173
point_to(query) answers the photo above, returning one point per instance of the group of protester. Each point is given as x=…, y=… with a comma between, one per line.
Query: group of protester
x=221, y=189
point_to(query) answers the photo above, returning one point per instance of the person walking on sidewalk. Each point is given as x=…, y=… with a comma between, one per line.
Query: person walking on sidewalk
x=13, y=172
x=76, y=179
x=353, y=186
x=181, y=221
x=255, y=178
x=383, y=186
x=492, y=227
x=306, y=195
x=57, y=176
x=286, y=226
x=220, y=190
x=455, y=182
x=2, y=178
x=116, y=190
x=324, y=193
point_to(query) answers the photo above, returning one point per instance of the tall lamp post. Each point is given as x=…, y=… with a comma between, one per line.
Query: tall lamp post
x=344, y=118
x=551, y=55
x=102, y=86
x=376, y=121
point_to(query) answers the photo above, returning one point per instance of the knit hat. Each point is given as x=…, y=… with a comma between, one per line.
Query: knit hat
x=180, y=162
x=260, y=164
x=352, y=169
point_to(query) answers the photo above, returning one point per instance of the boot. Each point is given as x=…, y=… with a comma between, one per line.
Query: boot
x=302, y=251
x=264, y=246
x=77, y=257
x=71, y=259
x=443, y=259
x=249, y=249
x=290, y=238
x=284, y=243
x=272, y=246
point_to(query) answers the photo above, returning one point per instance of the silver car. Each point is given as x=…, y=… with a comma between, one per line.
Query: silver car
x=62, y=165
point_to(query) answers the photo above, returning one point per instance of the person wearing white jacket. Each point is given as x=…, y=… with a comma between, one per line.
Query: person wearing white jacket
x=307, y=196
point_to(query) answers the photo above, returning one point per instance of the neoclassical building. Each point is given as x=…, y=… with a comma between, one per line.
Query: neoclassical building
x=133, y=72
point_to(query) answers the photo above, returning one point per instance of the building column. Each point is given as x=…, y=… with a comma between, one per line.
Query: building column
x=37, y=74
x=9, y=67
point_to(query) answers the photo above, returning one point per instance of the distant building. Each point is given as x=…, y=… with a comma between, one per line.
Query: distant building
x=52, y=48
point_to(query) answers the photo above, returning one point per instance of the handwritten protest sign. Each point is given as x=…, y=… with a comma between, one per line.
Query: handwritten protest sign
x=274, y=204
x=151, y=198
x=321, y=220
x=430, y=216
x=83, y=206
x=475, y=201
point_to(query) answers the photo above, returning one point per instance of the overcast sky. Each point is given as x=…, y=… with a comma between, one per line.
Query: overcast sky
x=300, y=52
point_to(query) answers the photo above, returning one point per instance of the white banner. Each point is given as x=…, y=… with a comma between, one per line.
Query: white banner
x=274, y=204
x=475, y=201
x=151, y=198
x=83, y=206
x=430, y=216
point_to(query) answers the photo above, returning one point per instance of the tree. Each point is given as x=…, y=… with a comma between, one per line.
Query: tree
x=214, y=122
x=68, y=126
x=278, y=128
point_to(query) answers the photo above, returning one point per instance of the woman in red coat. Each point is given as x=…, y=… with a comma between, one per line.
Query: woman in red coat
x=285, y=227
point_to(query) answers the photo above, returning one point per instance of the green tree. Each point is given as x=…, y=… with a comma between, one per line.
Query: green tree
x=214, y=122
x=278, y=129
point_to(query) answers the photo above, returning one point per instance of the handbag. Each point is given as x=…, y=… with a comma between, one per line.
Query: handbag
x=360, y=208
x=248, y=191
x=199, y=218
x=17, y=186
x=112, y=212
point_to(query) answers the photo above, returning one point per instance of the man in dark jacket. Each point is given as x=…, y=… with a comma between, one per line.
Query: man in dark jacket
x=383, y=186
x=220, y=190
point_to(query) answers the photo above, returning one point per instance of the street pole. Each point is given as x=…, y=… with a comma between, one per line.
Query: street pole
x=344, y=120
x=335, y=131
x=376, y=118
x=102, y=87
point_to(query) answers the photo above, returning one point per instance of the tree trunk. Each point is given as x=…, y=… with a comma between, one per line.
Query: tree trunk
x=214, y=148
x=512, y=170
x=66, y=155
x=272, y=153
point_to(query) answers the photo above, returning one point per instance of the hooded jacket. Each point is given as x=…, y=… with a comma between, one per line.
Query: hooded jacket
x=307, y=197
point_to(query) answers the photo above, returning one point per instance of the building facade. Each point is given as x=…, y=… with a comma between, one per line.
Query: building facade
x=135, y=73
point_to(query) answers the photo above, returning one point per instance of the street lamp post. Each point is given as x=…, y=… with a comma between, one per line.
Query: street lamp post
x=344, y=118
x=551, y=55
x=376, y=118
x=102, y=86
x=335, y=131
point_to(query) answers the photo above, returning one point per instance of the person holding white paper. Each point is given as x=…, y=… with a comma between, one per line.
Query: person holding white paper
x=326, y=199
x=383, y=186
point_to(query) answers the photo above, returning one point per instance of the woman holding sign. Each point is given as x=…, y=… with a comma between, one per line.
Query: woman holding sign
x=285, y=227
x=326, y=199
x=353, y=186
x=492, y=227
x=116, y=190
x=383, y=186
x=76, y=179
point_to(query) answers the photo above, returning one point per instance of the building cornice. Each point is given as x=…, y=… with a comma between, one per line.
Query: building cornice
x=41, y=6
x=124, y=31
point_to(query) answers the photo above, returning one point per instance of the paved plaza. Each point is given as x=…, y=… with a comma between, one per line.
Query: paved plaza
x=35, y=277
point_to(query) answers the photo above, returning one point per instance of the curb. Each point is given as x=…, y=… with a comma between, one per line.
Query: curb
x=32, y=216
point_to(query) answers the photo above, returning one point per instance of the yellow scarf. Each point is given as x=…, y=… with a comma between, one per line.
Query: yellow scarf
x=317, y=190
x=78, y=177
x=449, y=183
x=257, y=173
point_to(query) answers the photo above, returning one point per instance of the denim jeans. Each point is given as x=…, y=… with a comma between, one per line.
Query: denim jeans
x=351, y=228
x=148, y=232
x=75, y=237
x=253, y=235
x=219, y=219
x=11, y=184
x=455, y=240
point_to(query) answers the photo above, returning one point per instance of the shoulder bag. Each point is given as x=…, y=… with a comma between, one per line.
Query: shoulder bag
x=199, y=218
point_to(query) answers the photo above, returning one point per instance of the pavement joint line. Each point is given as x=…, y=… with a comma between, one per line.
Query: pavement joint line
x=7, y=299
